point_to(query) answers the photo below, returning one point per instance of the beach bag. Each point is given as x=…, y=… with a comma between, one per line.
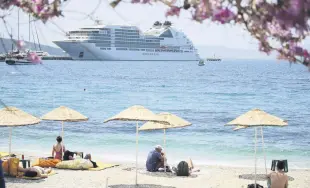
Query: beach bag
x=253, y=186
x=10, y=166
x=183, y=169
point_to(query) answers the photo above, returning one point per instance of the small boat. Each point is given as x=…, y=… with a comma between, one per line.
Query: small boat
x=201, y=62
x=16, y=61
x=214, y=59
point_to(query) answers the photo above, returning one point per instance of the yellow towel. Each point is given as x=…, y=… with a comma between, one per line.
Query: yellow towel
x=4, y=154
x=38, y=178
x=102, y=166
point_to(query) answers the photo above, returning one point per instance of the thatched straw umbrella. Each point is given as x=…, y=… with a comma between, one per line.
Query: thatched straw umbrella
x=257, y=118
x=62, y=114
x=136, y=113
x=174, y=122
x=12, y=117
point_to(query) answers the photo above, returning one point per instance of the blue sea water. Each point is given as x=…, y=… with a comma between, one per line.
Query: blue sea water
x=208, y=97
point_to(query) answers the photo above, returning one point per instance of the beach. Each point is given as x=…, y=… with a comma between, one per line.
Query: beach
x=207, y=177
x=208, y=97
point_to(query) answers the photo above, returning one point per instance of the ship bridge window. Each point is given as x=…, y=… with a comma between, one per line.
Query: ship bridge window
x=167, y=34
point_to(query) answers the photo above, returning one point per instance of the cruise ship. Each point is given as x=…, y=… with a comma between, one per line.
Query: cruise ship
x=162, y=42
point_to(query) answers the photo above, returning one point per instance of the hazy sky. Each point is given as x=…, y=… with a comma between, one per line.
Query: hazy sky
x=75, y=16
x=126, y=13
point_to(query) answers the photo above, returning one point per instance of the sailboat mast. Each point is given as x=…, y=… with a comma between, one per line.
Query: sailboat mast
x=29, y=27
x=12, y=39
x=18, y=24
x=37, y=36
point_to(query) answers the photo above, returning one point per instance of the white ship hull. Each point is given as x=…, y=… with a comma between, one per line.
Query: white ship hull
x=92, y=52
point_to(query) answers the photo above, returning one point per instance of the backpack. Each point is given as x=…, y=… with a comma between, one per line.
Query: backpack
x=183, y=169
x=253, y=186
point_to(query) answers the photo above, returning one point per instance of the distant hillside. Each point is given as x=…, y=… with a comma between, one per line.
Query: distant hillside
x=231, y=53
x=51, y=50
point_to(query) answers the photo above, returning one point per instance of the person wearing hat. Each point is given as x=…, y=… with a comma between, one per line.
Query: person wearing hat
x=155, y=159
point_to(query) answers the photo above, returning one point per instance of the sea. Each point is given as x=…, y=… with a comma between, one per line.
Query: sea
x=207, y=96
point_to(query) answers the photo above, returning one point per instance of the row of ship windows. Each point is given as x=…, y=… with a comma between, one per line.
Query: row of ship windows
x=127, y=30
x=156, y=50
x=129, y=39
x=128, y=44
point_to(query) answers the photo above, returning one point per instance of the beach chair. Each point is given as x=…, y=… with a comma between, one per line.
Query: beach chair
x=274, y=164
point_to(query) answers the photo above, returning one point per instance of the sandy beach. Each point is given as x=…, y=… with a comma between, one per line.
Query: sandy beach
x=124, y=176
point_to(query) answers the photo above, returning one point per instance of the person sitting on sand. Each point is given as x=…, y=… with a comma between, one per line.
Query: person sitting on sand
x=278, y=179
x=35, y=171
x=155, y=159
x=58, y=149
x=88, y=156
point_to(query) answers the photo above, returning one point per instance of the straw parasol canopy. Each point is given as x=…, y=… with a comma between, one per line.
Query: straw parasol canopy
x=12, y=117
x=64, y=113
x=174, y=122
x=257, y=118
x=137, y=113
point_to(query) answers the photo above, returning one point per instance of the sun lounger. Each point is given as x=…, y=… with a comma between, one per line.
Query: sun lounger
x=274, y=164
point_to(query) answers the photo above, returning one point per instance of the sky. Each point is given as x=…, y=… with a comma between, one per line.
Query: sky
x=75, y=16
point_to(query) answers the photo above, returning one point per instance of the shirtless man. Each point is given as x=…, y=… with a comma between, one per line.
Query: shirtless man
x=278, y=179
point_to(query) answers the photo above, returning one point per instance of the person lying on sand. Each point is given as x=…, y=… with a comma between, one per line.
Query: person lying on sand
x=278, y=179
x=35, y=171
x=155, y=159
x=88, y=156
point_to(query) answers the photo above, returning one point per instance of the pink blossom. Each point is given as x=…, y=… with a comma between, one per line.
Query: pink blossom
x=223, y=15
x=135, y=1
x=201, y=12
x=173, y=11
x=306, y=54
x=146, y=1
x=33, y=57
x=20, y=44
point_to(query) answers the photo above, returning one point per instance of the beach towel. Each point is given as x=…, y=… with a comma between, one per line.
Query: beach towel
x=46, y=163
x=102, y=166
x=77, y=164
x=4, y=154
x=38, y=178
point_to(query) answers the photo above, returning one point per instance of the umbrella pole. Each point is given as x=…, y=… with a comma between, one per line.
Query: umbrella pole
x=261, y=132
x=62, y=130
x=165, y=148
x=10, y=140
x=137, y=143
x=62, y=135
x=255, y=152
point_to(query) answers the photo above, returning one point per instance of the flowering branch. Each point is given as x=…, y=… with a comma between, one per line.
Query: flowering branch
x=40, y=9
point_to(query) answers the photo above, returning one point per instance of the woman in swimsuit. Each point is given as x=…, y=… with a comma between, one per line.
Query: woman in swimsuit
x=58, y=149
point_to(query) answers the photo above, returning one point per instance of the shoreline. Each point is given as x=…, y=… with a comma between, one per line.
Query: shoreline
x=208, y=177
x=248, y=164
